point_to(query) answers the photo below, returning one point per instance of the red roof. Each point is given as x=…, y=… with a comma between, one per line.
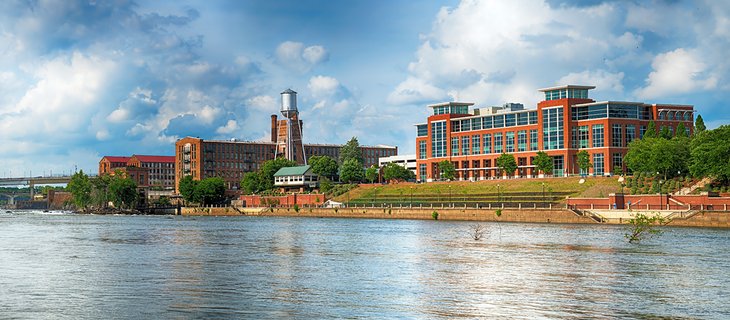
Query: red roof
x=116, y=159
x=164, y=159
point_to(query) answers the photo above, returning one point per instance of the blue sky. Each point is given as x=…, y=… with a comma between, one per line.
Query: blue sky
x=83, y=79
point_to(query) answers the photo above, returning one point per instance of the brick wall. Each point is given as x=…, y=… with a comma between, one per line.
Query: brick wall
x=286, y=201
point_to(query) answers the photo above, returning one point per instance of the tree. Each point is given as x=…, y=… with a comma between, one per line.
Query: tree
x=351, y=171
x=393, y=171
x=100, y=190
x=351, y=150
x=650, y=130
x=665, y=133
x=656, y=155
x=643, y=226
x=324, y=166
x=710, y=154
x=584, y=161
x=123, y=191
x=681, y=131
x=371, y=174
x=699, y=124
x=187, y=188
x=80, y=188
x=507, y=163
x=210, y=191
x=251, y=183
x=447, y=170
x=269, y=168
x=543, y=162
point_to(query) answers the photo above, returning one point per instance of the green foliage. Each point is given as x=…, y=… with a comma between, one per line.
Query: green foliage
x=351, y=150
x=584, y=161
x=187, y=188
x=664, y=133
x=250, y=183
x=163, y=201
x=371, y=174
x=80, y=188
x=651, y=131
x=447, y=170
x=498, y=213
x=324, y=166
x=642, y=227
x=352, y=171
x=699, y=125
x=296, y=208
x=681, y=131
x=507, y=163
x=325, y=185
x=269, y=168
x=651, y=155
x=543, y=162
x=435, y=215
x=710, y=154
x=100, y=195
x=210, y=191
x=393, y=171
x=123, y=192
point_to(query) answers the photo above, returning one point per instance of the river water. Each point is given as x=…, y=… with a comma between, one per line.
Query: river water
x=65, y=266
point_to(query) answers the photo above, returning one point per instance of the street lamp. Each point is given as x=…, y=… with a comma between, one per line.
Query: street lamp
x=499, y=195
x=411, y=196
x=543, y=193
x=450, y=201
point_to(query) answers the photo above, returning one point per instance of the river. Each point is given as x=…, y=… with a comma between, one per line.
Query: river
x=67, y=266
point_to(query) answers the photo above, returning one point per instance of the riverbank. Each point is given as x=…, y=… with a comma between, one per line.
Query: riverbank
x=707, y=219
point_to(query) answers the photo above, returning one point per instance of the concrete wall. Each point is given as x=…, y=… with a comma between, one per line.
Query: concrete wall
x=704, y=219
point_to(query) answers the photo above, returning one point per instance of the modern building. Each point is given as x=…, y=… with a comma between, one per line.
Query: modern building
x=231, y=159
x=564, y=123
x=407, y=161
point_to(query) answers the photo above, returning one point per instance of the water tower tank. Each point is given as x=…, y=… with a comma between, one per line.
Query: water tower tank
x=288, y=101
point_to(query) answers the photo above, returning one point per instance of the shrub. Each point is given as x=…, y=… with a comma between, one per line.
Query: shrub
x=296, y=207
x=435, y=215
x=498, y=213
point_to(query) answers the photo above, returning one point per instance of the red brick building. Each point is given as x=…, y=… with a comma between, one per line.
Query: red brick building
x=564, y=123
x=145, y=170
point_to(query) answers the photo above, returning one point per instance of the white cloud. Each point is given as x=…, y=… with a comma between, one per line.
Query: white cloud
x=323, y=86
x=230, y=127
x=602, y=79
x=415, y=90
x=295, y=56
x=676, y=72
x=263, y=103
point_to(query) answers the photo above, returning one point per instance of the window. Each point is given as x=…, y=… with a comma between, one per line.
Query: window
x=509, y=120
x=580, y=138
x=487, y=143
x=522, y=119
x=552, y=124
x=438, y=139
x=510, y=142
x=422, y=130
x=642, y=132
x=522, y=140
x=498, y=121
x=465, y=125
x=616, y=136
x=617, y=163
x=687, y=116
x=533, y=117
x=630, y=134
x=597, y=135
x=454, y=146
x=465, y=145
x=533, y=139
x=476, y=124
x=487, y=122
x=475, y=144
x=558, y=166
x=422, y=171
x=422, y=149
x=497, y=143
x=456, y=126
x=598, y=164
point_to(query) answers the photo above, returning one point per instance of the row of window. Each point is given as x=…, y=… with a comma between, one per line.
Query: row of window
x=451, y=110
x=495, y=121
x=611, y=110
x=566, y=93
x=482, y=144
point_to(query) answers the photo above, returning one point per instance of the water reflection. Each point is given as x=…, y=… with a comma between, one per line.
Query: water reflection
x=74, y=266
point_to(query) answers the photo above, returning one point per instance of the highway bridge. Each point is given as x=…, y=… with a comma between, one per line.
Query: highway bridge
x=34, y=181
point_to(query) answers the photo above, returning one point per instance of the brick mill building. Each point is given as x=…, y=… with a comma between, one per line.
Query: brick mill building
x=564, y=123
x=145, y=170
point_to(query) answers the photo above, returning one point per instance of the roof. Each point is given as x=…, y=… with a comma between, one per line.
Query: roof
x=292, y=171
x=289, y=91
x=115, y=159
x=452, y=103
x=567, y=86
x=147, y=158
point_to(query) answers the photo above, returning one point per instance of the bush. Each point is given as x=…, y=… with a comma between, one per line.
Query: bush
x=296, y=208
x=435, y=215
x=498, y=213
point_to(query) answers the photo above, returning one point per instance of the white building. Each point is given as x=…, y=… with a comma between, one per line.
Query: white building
x=408, y=161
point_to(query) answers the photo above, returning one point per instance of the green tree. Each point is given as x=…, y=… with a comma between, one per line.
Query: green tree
x=100, y=195
x=643, y=226
x=351, y=150
x=80, y=188
x=210, y=191
x=123, y=192
x=656, y=155
x=650, y=130
x=681, y=131
x=699, y=124
x=710, y=154
x=584, y=161
x=371, y=174
x=543, y=162
x=665, y=133
x=351, y=171
x=251, y=182
x=187, y=188
x=269, y=168
x=507, y=163
x=393, y=171
x=447, y=170
x=324, y=166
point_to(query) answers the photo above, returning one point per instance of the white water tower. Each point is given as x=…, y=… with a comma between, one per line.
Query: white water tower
x=293, y=147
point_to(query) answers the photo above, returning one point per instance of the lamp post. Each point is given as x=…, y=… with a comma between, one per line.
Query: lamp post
x=543, y=193
x=411, y=203
x=450, y=201
x=499, y=195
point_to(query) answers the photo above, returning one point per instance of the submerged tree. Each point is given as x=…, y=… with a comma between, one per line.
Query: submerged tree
x=477, y=230
x=642, y=227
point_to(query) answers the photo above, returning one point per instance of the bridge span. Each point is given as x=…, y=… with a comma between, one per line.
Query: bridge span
x=33, y=181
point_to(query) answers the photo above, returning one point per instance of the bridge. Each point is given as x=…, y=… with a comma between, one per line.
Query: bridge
x=33, y=181
x=12, y=195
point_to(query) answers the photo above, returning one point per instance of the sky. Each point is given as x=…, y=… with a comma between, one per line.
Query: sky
x=83, y=79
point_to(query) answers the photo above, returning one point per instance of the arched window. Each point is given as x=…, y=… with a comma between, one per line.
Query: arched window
x=662, y=115
x=687, y=116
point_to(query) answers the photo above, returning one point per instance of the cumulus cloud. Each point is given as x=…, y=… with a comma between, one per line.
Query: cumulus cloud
x=323, y=86
x=675, y=72
x=295, y=56
x=230, y=127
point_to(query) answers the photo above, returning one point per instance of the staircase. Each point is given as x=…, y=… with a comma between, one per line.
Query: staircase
x=586, y=213
x=692, y=188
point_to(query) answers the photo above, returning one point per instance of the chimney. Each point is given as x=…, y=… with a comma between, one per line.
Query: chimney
x=274, y=132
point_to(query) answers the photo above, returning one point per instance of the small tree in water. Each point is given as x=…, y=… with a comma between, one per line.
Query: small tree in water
x=477, y=230
x=642, y=227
